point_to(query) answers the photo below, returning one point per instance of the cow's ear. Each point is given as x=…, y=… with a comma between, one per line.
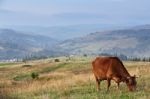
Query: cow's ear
x=136, y=76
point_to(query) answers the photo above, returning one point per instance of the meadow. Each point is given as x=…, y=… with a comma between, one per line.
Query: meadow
x=70, y=78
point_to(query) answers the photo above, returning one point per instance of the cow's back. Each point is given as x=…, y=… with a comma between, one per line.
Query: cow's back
x=105, y=66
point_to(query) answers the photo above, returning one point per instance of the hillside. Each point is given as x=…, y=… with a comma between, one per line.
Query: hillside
x=71, y=79
x=131, y=42
x=17, y=45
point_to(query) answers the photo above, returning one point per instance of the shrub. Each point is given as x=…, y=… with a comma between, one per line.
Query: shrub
x=57, y=60
x=34, y=75
x=85, y=55
x=26, y=65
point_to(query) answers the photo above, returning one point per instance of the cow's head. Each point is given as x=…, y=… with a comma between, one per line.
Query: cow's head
x=131, y=83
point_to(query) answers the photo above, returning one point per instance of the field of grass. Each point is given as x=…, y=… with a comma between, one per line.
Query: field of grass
x=67, y=79
x=7, y=64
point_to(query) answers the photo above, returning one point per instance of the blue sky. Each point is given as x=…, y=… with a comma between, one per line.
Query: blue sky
x=72, y=12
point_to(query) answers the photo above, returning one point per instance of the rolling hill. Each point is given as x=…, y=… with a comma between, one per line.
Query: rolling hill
x=17, y=45
x=130, y=42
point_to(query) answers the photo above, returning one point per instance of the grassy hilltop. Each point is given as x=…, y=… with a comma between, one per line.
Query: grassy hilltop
x=66, y=79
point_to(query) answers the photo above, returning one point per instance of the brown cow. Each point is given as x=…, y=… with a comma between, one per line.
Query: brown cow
x=111, y=68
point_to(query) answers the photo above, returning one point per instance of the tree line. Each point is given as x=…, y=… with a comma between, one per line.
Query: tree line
x=127, y=58
x=121, y=56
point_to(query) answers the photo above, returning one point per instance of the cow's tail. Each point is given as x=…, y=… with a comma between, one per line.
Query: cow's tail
x=93, y=63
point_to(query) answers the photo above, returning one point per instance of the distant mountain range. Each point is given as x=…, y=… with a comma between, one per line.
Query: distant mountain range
x=17, y=45
x=131, y=42
x=64, y=32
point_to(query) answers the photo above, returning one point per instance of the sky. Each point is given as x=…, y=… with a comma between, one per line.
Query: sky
x=73, y=12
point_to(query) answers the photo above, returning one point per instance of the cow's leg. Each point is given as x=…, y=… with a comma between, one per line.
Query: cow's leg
x=108, y=83
x=97, y=83
x=118, y=83
x=117, y=80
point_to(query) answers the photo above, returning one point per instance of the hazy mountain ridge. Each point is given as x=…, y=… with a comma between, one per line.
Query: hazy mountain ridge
x=63, y=32
x=131, y=42
x=18, y=45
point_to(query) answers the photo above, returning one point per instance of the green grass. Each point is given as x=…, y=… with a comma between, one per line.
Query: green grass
x=22, y=77
x=86, y=91
x=53, y=68
x=7, y=64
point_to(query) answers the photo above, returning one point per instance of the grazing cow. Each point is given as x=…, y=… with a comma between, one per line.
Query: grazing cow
x=111, y=68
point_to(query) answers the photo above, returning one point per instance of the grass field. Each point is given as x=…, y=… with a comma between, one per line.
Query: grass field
x=67, y=79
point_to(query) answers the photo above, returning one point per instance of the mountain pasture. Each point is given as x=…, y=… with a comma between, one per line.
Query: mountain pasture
x=70, y=78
